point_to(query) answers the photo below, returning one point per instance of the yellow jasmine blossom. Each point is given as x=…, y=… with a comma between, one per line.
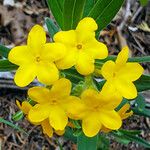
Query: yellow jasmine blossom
x=121, y=74
x=51, y=103
x=47, y=128
x=97, y=110
x=124, y=114
x=36, y=59
x=82, y=47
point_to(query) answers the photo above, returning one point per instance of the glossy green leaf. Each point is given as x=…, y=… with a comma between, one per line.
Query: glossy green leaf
x=5, y=65
x=52, y=28
x=55, y=7
x=12, y=125
x=88, y=6
x=4, y=51
x=143, y=83
x=72, y=13
x=104, y=11
x=87, y=143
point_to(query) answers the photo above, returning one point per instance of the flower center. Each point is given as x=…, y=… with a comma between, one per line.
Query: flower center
x=79, y=46
x=38, y=59
x=54, y=102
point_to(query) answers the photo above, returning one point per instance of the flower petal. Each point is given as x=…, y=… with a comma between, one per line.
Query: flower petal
x=90, y=97
x=97, y=49
x=66, y=37
x=47, y=73
x=47, y=129
x=25, y=106
x=20, y=55
x=85, y=64
x=36, y=38
x=39, y=113
x=122, y=57
x=136, y=70
x=59, y=132
x=69, y=60
x=110, y=119
x=126, y=89
x=91, y=124
x=74, y=107
x=61, y=88
x=25, y=75
x=53, y=51
x=58, y=119
x=39, y=94
x=108, y=69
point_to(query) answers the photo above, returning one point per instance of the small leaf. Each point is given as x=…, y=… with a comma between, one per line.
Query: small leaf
x=4, y=51
x=143, y=83
x=144, y=2
x=87, y=143
x=18, y=116
x=52, y=28
x=55, y=7
x=6, y=65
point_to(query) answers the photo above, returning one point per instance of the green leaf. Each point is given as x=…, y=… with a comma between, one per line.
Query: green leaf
x=132, y=136
x=144, y=2
x=56, y=8
x=72, y=13
x=52, y=28
x=88, y=6
x=12, y=125
x=87, y=143
x=143, y=83
x=4, y=51
x=104, y=11
x=18, y=116
x=5, y=65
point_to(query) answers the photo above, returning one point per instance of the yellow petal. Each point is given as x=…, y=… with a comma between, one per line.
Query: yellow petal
x=96, y=49
x=90, y=97
x=66, y=37
x=39, y=113
x=25, y=75
x=53, y=51
x=47, y=73
x=20, y=55
x=61, y=88
x=91, y=125
x=110, y=119
x=127, y=89
x=122, y=57
x=131, y=71
x=39, y=94
x=108, y=69
x=25, y=106
x=36, y=38
x=74, y=107
x=59, y=132
x=47, y=129
x=69, y=60
x=87, y=24
x=85, y=64
x=58, y=118
x=86, y=30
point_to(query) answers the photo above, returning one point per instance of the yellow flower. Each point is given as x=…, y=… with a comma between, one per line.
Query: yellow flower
x=96, y=110
x=47, y=128
x=51, y=103
x=121, y=74
x=82, y=47
x=124, y=114
x=36, y=59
